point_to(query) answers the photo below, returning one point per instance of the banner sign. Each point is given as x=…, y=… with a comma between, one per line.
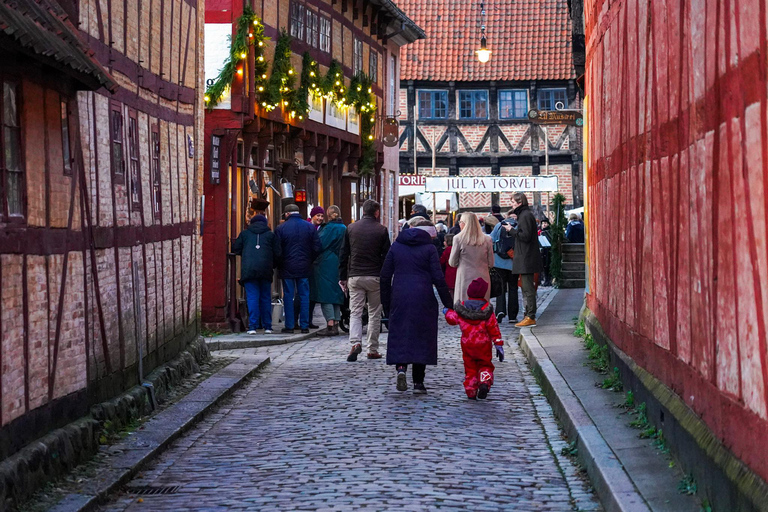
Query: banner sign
x=546, y=117
x=490, y=184
x=409, y=184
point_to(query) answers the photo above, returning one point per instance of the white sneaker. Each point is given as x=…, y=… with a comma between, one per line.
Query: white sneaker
x=251, y=332
x=267, y=331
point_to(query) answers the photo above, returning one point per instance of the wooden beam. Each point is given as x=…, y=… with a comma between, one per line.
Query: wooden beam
x=366, y=4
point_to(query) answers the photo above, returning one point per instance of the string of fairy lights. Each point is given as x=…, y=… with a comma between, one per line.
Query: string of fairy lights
x=278, y=89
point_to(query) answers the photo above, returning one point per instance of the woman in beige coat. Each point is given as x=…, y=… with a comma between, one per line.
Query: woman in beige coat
x=472, y=255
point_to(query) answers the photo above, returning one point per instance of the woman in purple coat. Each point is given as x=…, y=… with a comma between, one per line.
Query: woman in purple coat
x=409, y=272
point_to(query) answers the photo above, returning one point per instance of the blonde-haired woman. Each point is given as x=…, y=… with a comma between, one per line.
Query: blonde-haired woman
x=472, y=255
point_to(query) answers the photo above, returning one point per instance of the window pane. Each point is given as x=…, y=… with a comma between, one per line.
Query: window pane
x=441, y=104
x=481, y=105
x=10, y=115
x=425, y=105
x=13, y=183
x=65, y=136
x=11, y=148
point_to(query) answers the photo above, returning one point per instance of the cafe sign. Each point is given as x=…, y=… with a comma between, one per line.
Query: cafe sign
x=547, y=117
x=490, y=184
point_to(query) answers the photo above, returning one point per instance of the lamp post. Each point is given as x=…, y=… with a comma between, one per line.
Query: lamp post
x=483, y=54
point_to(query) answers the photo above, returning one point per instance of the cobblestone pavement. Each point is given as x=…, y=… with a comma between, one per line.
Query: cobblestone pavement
x=314, y=432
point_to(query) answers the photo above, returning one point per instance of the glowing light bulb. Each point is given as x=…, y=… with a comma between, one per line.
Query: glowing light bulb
x=290, y=71
x=256, y=22
x=207, y=98
x=261, y=43
x=370, y=137
x=301, y=118
x=243, y=55
x=264, y=76
x=359, y=88
x=261, y=88
x=338, y=83
x=261, y=58
x=370, y=90
x=240, y=71
x=311, y=73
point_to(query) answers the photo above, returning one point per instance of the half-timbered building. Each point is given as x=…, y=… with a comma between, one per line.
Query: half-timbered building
x=249, y=147
x=471, y=118
x=99, y=252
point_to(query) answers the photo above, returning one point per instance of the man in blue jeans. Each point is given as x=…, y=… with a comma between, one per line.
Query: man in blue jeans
x=300, y=245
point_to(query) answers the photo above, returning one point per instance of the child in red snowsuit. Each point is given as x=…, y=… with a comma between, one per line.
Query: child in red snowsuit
x=479, y=332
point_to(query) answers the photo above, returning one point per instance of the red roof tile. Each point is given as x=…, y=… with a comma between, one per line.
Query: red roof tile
x=530, y=39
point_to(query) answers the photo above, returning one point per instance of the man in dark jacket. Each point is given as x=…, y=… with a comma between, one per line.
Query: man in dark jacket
x=260, y=251
x=366, y=244
x=527, y=260
x=299, y=245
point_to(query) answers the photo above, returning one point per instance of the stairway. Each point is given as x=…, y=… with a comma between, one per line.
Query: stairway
x=574, y=268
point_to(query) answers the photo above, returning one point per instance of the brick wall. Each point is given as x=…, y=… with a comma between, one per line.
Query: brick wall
x=156, y=262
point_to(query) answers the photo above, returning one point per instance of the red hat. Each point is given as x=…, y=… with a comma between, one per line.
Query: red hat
x=477, y=289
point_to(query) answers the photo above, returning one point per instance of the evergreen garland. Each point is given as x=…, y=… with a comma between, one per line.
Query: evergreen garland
x=278, y=91
x=360, y=96
x=558, y=239
x=250, y=32
x=307, y=85
x=333, y=84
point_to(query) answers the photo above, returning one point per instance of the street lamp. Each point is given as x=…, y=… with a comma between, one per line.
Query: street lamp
x=483, y=54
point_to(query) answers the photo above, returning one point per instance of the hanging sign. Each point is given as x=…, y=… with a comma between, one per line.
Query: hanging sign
x=546, y=117
x=490, y=184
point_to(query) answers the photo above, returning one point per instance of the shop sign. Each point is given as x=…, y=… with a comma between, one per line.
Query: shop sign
x=490, y=183
x=409, y=184
x=547, y=117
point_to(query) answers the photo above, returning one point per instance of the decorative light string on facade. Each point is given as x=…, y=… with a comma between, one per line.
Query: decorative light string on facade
x=278, y=89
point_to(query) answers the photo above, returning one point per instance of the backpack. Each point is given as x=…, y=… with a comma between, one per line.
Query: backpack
x=504, y=247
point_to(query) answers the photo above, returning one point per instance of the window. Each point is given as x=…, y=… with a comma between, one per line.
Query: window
x=373, y=66
x=433, y=104
x=66, y=154
x=392, y=88
x=157, y=196
x=11, y=173
x=513, y=104
x=297, y=20
x=358, y=57
x=215, y=159
x=133, y=161
x=473, y=104
x=549, y=98
x=312, y=28
x=325, y=34
x=116, y=134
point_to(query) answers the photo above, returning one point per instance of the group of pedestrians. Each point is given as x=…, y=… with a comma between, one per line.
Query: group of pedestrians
x=322, y=261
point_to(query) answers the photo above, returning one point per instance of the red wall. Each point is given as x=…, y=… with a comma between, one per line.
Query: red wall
x=678, y=170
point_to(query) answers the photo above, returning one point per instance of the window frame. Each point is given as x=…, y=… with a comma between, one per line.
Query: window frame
x=66, y=138
x=550, y=91
x=5, y=214
x=134, y=163
x=432, y=93
x=154, y=168
x=392, y=87
x=322, y=36
x=117, y=143
x=298, y=20
x=312, y=28
x=474, y=99
x=373, y=65
x=357, y=56
x=513, y=100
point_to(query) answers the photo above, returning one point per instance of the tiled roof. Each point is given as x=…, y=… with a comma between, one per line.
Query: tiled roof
x=530, y=39
x=41, y=28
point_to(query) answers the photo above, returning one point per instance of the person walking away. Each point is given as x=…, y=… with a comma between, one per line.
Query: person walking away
x=448, y=271
x=479, y=332
x=527, y=260
x=410, y=271
x=259, y=249
x=299, y=246
x=496, y=212
x=366, y=243
x=441, y=232
x=507, y=304
x=324, y=288
x=574, y=231
x=546, y=253
x=472, y=255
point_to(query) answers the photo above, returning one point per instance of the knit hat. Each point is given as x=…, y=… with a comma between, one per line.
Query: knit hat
x=316, y=210
x=258, y=218
x=477, y=289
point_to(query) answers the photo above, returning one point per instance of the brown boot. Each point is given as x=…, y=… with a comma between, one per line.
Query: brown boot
x=527, y=322
x=328, y=331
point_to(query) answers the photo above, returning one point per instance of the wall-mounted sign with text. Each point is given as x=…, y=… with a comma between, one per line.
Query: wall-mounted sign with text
x=490, y=184
x=545, y=117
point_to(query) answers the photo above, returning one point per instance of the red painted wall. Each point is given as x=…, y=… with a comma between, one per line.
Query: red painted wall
x=677, y=178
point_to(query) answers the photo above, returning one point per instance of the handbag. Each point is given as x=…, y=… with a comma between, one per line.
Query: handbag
x=497, y=283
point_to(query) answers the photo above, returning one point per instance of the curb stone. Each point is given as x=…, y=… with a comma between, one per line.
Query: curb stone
x=214, y=345
x=160, y=431
x=610, y=480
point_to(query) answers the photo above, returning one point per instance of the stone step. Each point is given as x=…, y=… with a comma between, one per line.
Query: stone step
x=573, y=266
x=573, y=257
x=573, y=283
x=568, y=247
x=574, y=275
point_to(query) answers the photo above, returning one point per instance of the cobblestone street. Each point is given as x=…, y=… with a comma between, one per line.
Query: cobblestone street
x=314, y=432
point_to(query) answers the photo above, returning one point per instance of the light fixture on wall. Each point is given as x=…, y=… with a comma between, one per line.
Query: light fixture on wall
x=483, y=54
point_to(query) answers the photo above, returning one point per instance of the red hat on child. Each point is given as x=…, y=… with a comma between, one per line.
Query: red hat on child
x=477, y=289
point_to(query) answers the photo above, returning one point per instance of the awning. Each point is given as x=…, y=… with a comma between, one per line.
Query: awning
x=42, y=30
x=440, y=198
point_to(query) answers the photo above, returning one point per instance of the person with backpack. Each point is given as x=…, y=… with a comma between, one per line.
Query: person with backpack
x=507, y=304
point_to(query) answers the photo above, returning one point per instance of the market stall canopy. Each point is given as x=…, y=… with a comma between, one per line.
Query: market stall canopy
x=42, y=30
x=440, y=198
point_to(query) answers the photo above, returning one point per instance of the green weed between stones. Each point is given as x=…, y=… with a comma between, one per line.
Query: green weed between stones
x=641, y=417
x=570, y=450
x=613, y=381
x=687, y=485
x=629, y=401
x=581, y=329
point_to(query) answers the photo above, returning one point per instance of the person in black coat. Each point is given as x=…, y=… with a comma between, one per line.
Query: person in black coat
x=527, y=260
x=574, y=231
x=260, y=251
x=410, y=270
x=299, y=245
